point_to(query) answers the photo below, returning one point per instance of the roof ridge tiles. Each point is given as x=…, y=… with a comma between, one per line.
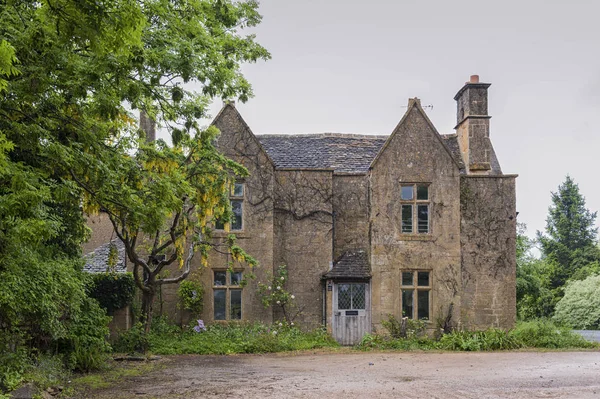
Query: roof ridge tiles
x=324, y=135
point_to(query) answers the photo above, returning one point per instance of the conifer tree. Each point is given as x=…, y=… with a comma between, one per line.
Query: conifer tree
x=570, y=240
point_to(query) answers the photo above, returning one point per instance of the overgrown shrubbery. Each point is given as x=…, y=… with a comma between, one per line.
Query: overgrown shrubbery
x=113, y=291
x=44, y=310
x=273, y=293
x=168, y=339
x=191, y=295
x=580, y=307
x=546, y=334
x=535, y=334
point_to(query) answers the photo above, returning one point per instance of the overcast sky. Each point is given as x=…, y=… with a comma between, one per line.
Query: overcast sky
x=350, y=66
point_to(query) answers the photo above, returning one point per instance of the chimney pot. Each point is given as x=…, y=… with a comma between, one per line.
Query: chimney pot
x=474, y=79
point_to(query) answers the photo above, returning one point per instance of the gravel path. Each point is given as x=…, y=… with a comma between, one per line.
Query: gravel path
x=372, y=375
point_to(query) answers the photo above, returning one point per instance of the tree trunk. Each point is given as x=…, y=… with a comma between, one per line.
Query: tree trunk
x=147, y=303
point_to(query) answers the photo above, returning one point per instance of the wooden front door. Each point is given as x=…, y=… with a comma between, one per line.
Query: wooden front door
x=351, y=312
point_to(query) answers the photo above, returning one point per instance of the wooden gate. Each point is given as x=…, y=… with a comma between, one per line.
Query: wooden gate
x=351, y=312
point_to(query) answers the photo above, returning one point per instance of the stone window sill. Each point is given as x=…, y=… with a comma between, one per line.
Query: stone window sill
x=415, y=237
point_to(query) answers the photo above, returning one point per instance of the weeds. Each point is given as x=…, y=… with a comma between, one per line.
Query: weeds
x=238, y=338
x=541, y=334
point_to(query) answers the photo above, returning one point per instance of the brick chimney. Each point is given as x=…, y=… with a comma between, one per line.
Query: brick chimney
x=148, y=126
x=473, y=125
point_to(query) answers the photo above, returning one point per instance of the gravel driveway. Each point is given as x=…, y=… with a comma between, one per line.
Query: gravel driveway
x=371, y=375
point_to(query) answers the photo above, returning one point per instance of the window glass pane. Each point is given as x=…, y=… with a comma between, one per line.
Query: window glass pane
x=422, y=192
x=407, y=219
x=423, y=218
x=238, y=190
x=219, y=304
x=219, y=225
x=235, y=278
x=406, y=193
x=235, y=306
x=407, y=278
x=344, y=296
x=423, y=279
x=220, y=278
x=423, y=304
x=236, y=219
x=407, y=303
x=358, y=296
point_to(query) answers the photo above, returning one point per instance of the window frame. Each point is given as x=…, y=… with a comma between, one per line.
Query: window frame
x=228, y=287
x=416, y=288
x=415, y=204
x=233, y=197
x=351, y=287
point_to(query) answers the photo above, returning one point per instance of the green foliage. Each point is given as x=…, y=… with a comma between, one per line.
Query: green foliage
x=191, y=295
x=113, y=291
x=534, y=334
x=379, y=342
x=13, y=365
x=580, y=306
x=71, y=75
x=238, y=338
x=86, y=344
x=404, y=328
x=488, y=340
x=134, y=340
x=571, y=238
x=273, y=293
x=569, y=253
x=545, y=334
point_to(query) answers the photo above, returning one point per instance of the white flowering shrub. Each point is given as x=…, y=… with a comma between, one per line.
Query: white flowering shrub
x=273, y=293
x=580, y=307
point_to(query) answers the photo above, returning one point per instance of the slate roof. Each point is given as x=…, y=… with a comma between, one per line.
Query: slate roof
x=97, y=260
x=451, y=141
x=347, y=153
x=352, y=264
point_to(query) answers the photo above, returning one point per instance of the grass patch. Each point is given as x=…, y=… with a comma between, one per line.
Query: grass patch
x=113, y=374
x=222, y=339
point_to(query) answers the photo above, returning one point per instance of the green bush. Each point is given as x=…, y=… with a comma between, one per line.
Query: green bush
x=191, y=295
x=489, y=340
x=238, y=338
x=545, y=334
x=86, y=344
x=113, y=291
x=134, y=340
x=535, y=334
x=404, y=328
x=580, y=306
x=13, y=365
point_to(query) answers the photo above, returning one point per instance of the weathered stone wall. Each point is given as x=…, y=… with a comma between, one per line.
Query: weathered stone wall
x=237, y=142
x=415, y=154
x=303, y=236
x=351, y=213
x=488, y=239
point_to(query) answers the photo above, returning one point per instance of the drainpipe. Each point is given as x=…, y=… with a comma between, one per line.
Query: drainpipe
x=324, y=288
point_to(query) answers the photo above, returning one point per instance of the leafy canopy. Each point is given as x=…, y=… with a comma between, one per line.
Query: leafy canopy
x=72, y=73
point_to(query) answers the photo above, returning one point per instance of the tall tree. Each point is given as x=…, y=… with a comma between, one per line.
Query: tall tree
x=74, y=71
x=571, y=236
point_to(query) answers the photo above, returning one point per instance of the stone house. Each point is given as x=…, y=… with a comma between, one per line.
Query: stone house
x=414, y=224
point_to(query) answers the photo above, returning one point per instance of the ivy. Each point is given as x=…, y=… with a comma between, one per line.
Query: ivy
x=191, y=294
x=113, y=291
